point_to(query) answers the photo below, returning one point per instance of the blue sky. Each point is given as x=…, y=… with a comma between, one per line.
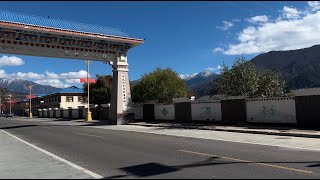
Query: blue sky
x=189, y=37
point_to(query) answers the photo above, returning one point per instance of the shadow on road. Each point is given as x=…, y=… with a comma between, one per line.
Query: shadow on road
x=152, y=169
x=20, y=126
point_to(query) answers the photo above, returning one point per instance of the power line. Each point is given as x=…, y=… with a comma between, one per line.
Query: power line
x=246, y=9
x=266, y=6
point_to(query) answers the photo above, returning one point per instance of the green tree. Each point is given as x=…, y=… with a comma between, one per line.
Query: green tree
x=245, y=79
x=100, y=92
x=161, y=85
x=270, y=83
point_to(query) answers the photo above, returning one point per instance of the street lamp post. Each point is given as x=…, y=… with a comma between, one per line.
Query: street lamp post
x=30, y=111
x=89, y=117
x=0, y=105
x=10, y=102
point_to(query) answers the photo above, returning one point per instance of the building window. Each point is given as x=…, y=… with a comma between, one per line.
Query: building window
x=80, y=99
x=69, y=98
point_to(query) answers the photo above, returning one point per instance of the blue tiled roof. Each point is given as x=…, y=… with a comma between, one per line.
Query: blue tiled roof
x=32, y=20
x=72, y=89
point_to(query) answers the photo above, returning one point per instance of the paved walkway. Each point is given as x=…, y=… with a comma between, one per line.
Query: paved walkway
x=267, y=130
x=21, y=161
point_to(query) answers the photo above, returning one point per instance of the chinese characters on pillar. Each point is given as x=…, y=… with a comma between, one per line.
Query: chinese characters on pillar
x=123, y=79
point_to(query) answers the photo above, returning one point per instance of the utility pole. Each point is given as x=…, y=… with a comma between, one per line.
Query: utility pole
x=0, y=104
x=30, y=110
x=89, y=117
x=10, y=102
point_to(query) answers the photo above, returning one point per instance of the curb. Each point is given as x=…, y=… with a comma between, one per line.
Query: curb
x=237, y=130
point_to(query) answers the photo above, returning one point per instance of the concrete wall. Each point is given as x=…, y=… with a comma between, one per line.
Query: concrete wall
x=66, y=113
x=40, y=114
x=272, y=110
x=45, y=114
x=58, y=113
x=164, y=112
x=84, y=114
x=50, y=113
x=208, y=110
x=138, y=111
x=258, y=110
x=75, y=113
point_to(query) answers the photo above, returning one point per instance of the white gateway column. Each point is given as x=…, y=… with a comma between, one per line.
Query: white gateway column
x=120, y=93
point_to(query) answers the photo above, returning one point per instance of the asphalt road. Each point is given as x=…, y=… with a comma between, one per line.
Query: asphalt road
x=122, y=154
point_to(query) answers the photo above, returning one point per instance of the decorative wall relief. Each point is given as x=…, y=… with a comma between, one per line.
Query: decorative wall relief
x=206, y=110
x=272, y=114
x=206, y=113
x=269, y=111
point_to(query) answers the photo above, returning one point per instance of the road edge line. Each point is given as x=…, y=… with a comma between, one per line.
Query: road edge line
x=97, y=176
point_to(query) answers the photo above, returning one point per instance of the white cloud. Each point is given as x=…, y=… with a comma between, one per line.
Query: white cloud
x=73, y=81
x=284, y=34
x=226, y=25
x=65, y=79
x=51, y=75
x=53, y=82
x=74, y=75
x=11, y=61
x=314, y=5
x=290, y=13
x=68, y=75
x=26, y=76
x=217, y=50
x=259, y=19
x=2, y=73
x=48, y=78
x=213, y=68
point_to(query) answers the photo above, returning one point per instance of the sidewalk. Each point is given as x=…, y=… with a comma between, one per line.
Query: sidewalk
x=21, y=161
x=279, y=131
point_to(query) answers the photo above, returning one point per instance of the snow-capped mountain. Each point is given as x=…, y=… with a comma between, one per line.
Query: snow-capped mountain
x=21, y=86
x=187, y=76
x=200, y=83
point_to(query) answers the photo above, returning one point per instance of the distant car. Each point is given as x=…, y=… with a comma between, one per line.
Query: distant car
x=2, y=115
x=9, y=115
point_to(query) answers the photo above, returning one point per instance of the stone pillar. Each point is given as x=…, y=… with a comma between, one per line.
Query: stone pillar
x=120, y=93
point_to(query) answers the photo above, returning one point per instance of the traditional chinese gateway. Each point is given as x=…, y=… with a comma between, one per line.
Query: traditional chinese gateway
x=30, y=35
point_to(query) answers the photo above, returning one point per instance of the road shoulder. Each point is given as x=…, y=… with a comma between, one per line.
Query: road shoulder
x=22, y=161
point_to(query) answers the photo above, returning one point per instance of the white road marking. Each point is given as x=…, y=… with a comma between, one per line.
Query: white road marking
x=246, y=161
x=90, y=135
x=94, y=175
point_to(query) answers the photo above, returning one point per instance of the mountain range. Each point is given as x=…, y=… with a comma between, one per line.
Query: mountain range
x=199, y=83
x=21, y=86
x=300, y=68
